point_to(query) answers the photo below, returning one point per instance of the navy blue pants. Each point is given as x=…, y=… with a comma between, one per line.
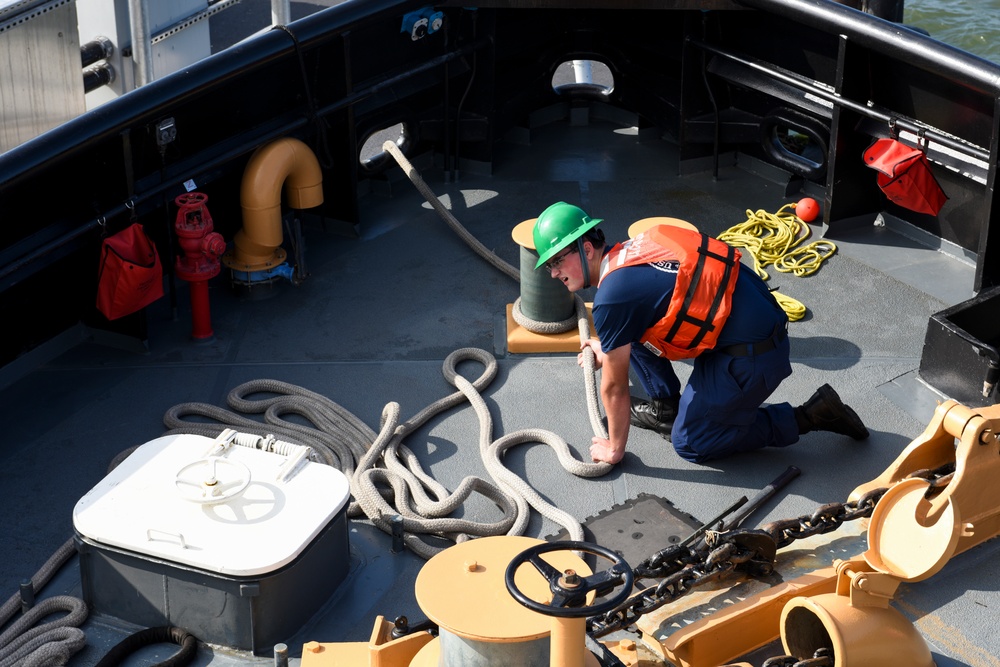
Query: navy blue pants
x=721, y=408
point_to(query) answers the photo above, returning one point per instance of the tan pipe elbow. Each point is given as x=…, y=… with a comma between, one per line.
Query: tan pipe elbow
x=285, y=163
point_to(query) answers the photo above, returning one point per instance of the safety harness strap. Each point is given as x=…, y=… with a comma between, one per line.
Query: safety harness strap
x=706, y=324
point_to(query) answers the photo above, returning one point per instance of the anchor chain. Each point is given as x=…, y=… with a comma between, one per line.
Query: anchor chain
x=823, y=657
x=751, y=552
x=826, y=519
x=685, y=569
x=830, y=517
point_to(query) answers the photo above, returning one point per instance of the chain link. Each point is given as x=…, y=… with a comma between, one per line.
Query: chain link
x=688, y=569
x=823, y=657
x=683, y=568
x=691, y=573
x=826, y=519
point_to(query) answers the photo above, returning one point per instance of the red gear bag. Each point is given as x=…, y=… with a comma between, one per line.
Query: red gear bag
x=130, y=276
x=905, y=176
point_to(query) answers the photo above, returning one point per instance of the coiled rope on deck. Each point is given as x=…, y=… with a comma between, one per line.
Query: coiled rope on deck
x=387, y=479
x=580, y=315
x=185, y=654
x=547, y=328
x=25, y=644
x=773, y=239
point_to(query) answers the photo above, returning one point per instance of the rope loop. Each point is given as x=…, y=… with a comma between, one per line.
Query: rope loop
x=387, y=479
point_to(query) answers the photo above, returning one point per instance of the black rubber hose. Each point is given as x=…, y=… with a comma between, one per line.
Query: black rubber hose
x=161, y=635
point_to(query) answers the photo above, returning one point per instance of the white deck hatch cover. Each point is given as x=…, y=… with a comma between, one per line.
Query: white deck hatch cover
x=145, y=505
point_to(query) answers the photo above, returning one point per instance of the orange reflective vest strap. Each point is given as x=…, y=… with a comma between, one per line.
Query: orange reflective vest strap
x=702, y=298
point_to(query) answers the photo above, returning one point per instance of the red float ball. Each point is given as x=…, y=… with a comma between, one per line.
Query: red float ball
x=807, y=209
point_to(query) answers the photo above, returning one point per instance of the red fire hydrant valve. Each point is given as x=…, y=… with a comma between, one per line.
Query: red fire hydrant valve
x=202, y=249
x=201, y=246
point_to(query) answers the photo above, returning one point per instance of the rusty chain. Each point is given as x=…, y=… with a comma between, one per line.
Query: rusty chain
x=683, y=568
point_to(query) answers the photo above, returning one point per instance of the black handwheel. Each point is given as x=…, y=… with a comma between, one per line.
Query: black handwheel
x=569, y=589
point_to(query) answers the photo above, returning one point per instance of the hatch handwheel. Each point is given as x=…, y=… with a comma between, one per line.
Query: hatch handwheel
x=213, y=479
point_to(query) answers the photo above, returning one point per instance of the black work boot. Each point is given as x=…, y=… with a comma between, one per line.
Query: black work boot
x=824, y=411
x=657, y=414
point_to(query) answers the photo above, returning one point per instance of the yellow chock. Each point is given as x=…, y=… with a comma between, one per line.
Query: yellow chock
x=959, y=512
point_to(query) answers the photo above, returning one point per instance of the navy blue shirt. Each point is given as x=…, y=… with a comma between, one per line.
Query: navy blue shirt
x=631, y=299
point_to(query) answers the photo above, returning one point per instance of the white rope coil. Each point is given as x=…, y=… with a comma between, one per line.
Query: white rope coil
x=387, y=479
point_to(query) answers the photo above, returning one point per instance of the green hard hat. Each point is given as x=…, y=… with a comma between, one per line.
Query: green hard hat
x=557, y=227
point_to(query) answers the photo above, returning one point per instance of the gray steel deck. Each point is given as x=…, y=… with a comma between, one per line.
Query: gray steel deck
x=381, y=311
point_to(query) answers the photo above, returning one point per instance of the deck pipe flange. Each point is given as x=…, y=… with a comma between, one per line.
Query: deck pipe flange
x=287, y=165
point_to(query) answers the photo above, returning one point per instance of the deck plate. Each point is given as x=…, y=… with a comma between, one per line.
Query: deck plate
x=637, y=528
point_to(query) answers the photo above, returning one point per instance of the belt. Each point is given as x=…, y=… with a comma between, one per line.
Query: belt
x=753, y=349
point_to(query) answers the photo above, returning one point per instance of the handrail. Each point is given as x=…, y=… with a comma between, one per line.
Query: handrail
x=810, y=87
x=887, y=37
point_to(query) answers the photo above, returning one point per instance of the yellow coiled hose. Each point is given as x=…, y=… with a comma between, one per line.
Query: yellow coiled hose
x=773, y=239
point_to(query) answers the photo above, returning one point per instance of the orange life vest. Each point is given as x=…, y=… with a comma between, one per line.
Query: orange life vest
x=702, y=297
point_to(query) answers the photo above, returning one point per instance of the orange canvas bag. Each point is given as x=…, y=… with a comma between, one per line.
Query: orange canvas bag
x=905, y=176
x=130, y=275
